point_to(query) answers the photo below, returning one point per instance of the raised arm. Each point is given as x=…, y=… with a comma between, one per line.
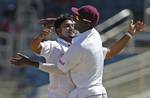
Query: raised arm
x=133, y=29
x=48, y=27
x=35, y=44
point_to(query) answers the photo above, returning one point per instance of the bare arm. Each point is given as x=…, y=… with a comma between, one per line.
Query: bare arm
x=134, y=29
x=22, y=61
x=35, y=44
x=48, y=27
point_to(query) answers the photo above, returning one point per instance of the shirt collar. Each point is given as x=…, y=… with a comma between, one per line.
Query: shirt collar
x=84, y=34
x=62, y=41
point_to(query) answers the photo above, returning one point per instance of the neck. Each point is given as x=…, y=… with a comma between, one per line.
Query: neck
x=85, y=27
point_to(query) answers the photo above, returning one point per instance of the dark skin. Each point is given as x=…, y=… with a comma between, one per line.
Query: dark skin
x=83, y=26
x=66, y=32
x=48, y=27
x=22, y=60
x=134, y=29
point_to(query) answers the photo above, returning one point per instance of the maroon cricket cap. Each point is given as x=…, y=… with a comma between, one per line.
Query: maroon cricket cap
x=87, y=12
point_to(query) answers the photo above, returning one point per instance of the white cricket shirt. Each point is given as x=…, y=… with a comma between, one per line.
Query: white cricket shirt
x=85, y=60
x=60, y=83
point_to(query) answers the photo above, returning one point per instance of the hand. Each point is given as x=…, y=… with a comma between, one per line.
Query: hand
x=20, y=60
x=45, y=32
x=135, y=28
x=48, y=22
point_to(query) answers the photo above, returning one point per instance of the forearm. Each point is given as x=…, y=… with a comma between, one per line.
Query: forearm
x=46, y=67
x=35, y=44
x=133, y=29
x=118, y=46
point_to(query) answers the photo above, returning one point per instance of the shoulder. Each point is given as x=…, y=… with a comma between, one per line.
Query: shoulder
x=49, y=44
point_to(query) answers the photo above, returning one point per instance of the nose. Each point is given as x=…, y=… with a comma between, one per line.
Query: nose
x=71, y=27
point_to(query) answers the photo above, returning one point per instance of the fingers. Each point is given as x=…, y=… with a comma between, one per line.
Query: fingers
x=47, y=21
x=131, y=28
x=18, y=59
x=137, y=27
x=46, y=31
x=131, y=24
x=140, y=26
x=14, y=61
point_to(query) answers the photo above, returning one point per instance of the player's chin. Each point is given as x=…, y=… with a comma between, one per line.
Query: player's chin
x=72, y=35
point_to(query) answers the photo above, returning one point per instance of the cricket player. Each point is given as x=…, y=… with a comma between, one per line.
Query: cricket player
x=60, y=83
x=85, y=58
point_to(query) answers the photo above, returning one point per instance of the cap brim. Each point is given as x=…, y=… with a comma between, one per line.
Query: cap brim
x=75, y=11
x=47, y=20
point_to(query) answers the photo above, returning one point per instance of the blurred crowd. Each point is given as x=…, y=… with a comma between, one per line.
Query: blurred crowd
x=10, y=10
x=17, y=16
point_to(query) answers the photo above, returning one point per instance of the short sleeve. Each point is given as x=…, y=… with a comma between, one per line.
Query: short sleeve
x=105, y=50
x=46, y=48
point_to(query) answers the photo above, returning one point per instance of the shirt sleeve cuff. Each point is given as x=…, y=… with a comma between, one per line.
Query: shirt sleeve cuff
x=46, y=67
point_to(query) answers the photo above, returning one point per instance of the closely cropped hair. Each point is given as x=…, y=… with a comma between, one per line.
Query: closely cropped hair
x=61, y=19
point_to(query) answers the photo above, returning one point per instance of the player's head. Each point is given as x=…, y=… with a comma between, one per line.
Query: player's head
x=64, y=27
x=86, y=17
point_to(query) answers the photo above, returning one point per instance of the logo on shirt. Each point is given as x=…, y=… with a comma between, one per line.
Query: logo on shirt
x=61, y=61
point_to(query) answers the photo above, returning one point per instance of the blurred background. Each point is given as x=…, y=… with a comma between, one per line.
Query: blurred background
x=126, y=75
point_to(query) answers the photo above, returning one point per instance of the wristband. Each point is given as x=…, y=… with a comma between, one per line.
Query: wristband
x=129, y=35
